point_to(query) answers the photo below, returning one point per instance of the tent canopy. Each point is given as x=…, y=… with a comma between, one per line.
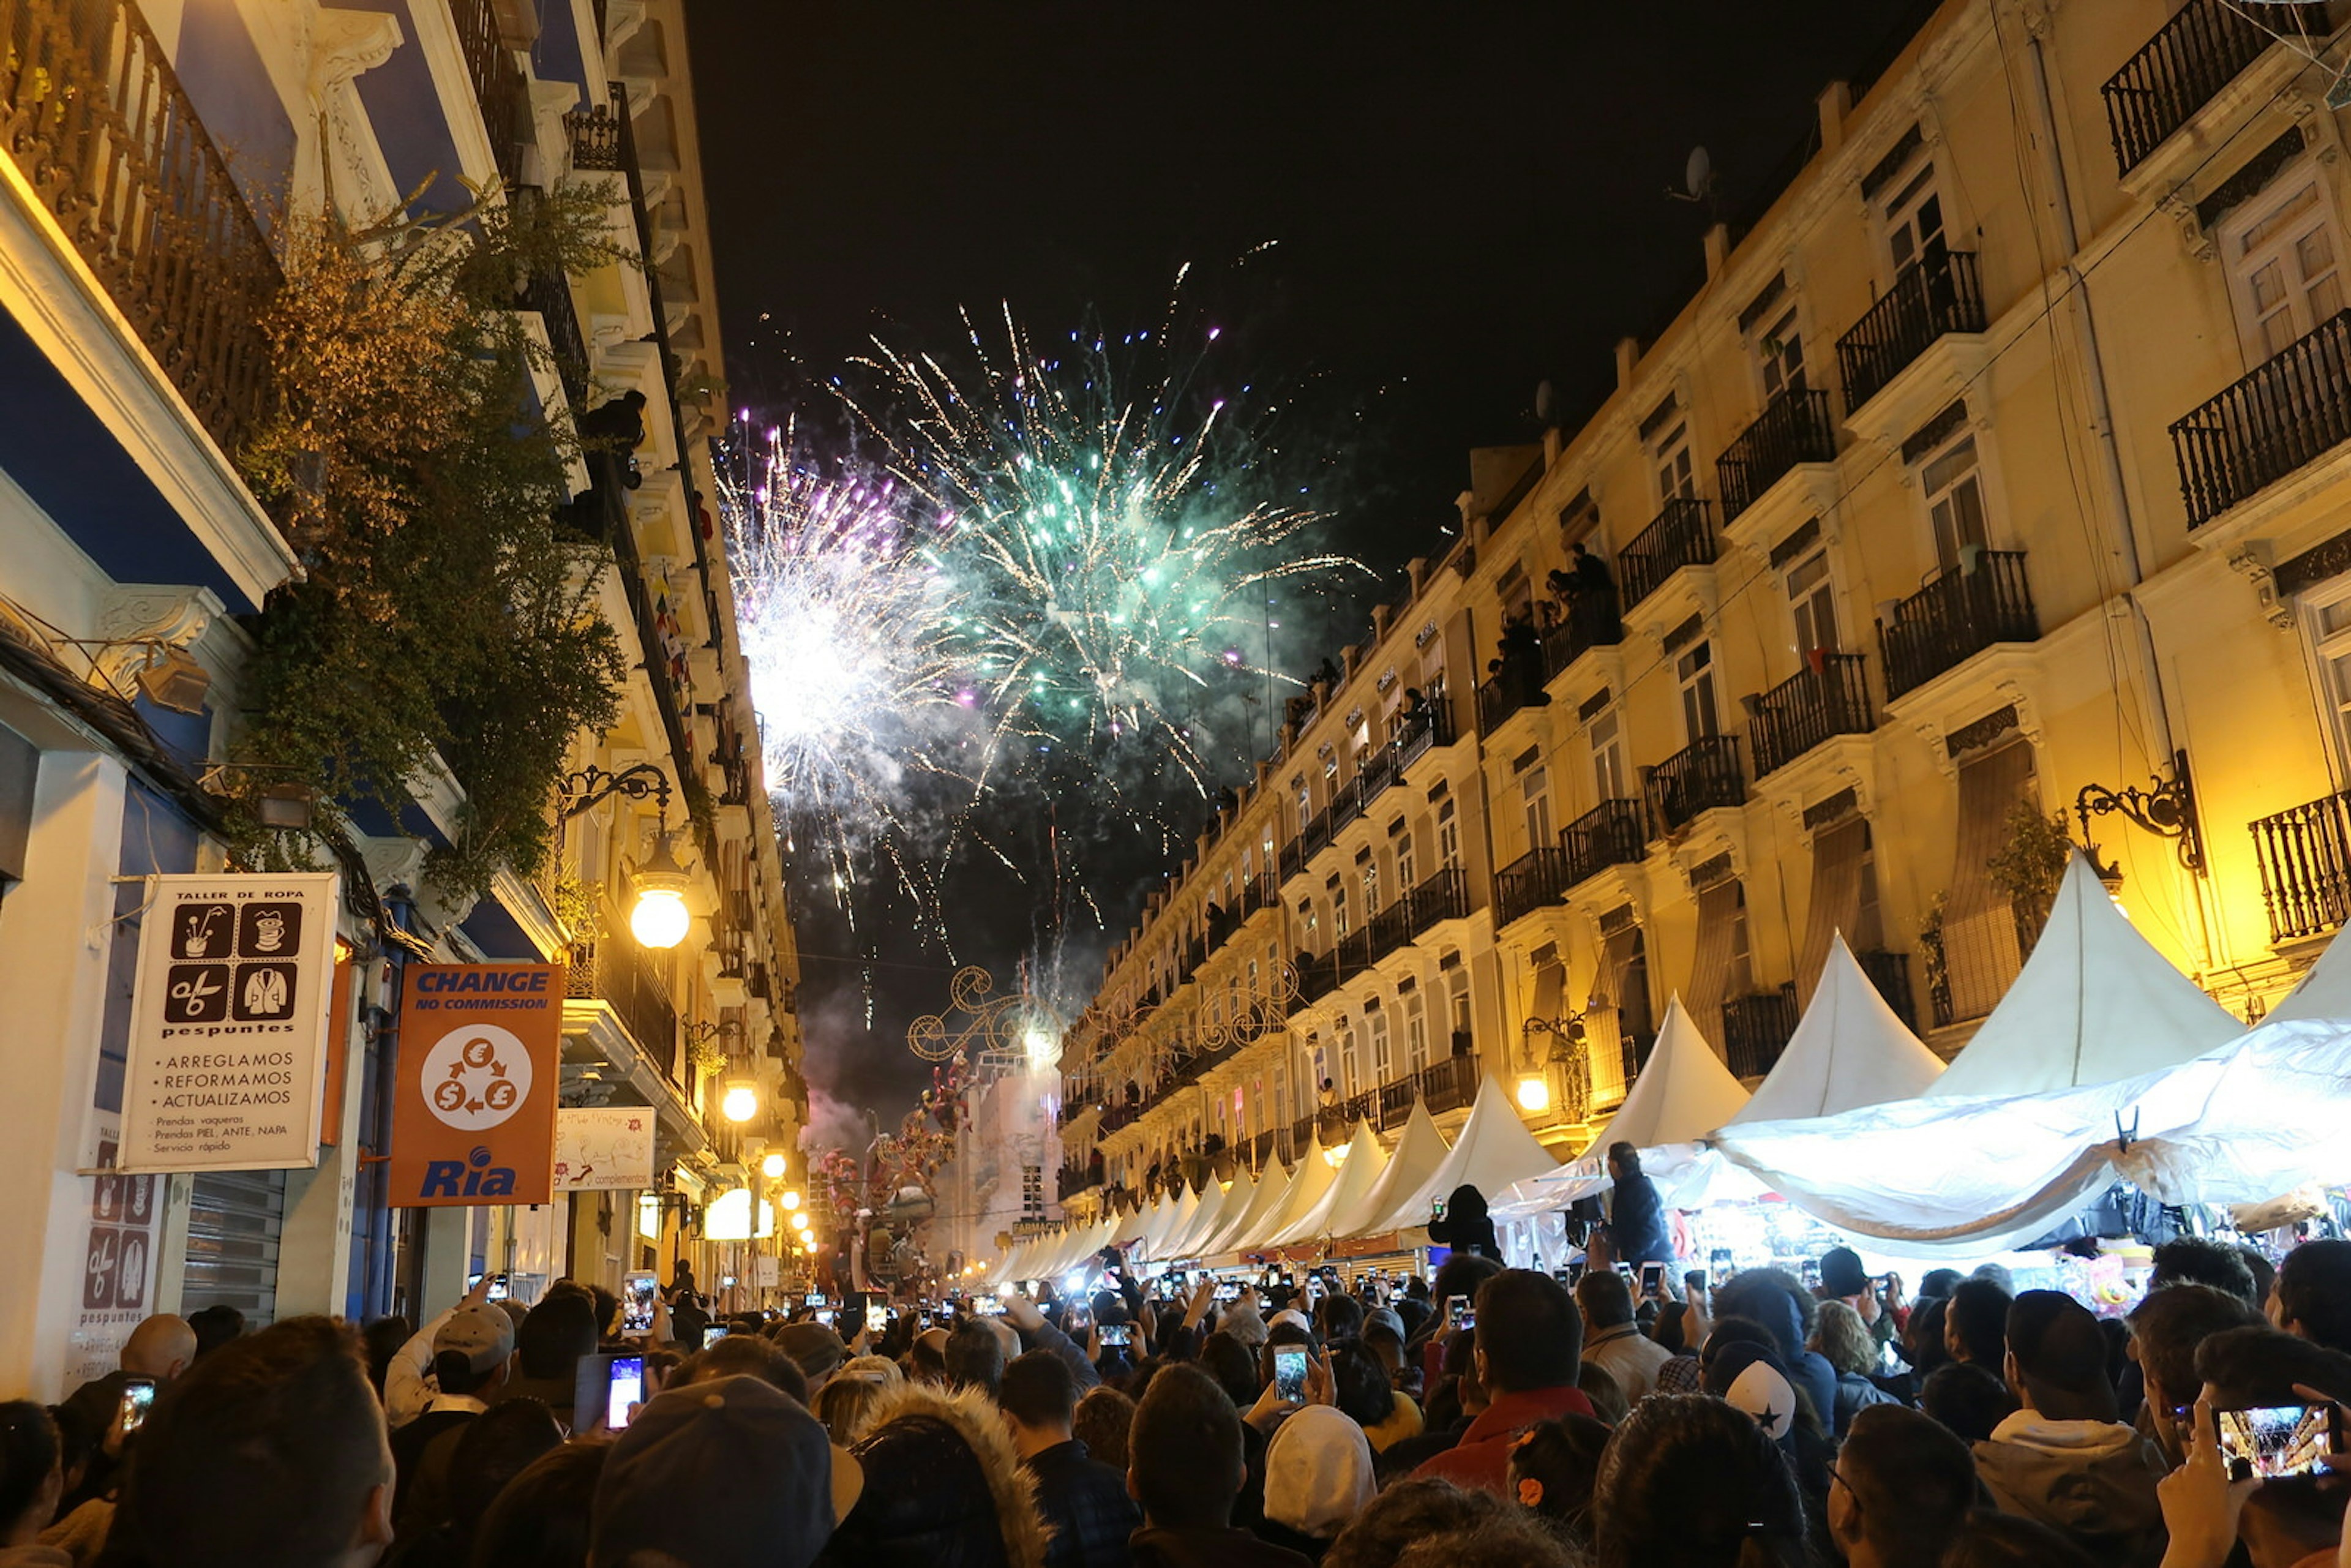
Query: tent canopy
x=1247, y=1225
x=1217, y=1205
x=1684, y=1091
x=1311, y=1180
x=1420, y=1151
x=1494, y=1151
x=2093, y=1004
x=1849, y=1049
x=1359, y=1171
x=2323, y=991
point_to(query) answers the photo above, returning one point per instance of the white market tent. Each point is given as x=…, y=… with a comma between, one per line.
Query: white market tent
x=1245, y=1226
x=1217, y=1205
x=1308, y=1183
x=2093, y=1004
x=1849, y=1049
x=2323, y=991
x=1493, y=1152
x=1360, y=1170
x=1174, y=1217
x=1420, y=1150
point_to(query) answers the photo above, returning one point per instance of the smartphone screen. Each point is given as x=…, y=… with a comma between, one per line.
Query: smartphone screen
x=1229, y=1292
x=497, y=1288
x=824, y=1316
x=2277, y=1441
x=624, y=1389
x=1653, y=1281
x=713, y=1334
x=1289, y=1374
x=1116, y=1335
x=1575, y=1269
x=1456, y=1312
x=1693, y=1282
x=877, y=1320
x=815, y=1299
x=638, y=1292
x=137, y=1398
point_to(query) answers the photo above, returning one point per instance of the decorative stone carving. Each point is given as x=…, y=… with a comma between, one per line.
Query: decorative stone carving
x=2252, y=559
x=134, y=615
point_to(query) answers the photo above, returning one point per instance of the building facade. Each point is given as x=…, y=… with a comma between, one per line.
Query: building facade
x=160, y=155
x=1995, y=472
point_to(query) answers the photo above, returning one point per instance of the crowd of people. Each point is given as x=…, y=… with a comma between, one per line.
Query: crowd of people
x=1480, y=1416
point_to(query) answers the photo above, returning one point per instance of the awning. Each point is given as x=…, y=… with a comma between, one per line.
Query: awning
x=1243, y=1228
x=1493, y=1153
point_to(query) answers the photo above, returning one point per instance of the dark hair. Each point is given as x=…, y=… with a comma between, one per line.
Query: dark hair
x=1102, y=1421
x=1988, y=1539
x=2259, y=1365
x=2314, y=1293
x=1976, y=1313
x=1338, y=1317
x=1730, y=1330
x=541, y=1519
x=2060, y=1352
x=453, y=1371
x=285, y=1415
x=1530, y=1331
x=1913, y=1479
x=1938, y=1284
x=740, y=1355
x=1360, y=1383
x=1968, y=1399
x=1562, y=1458
x=1184, y=1452
x=604, y=1306
x=975, y=1357
x=1408, y=1511
x=382, y=1338
x=215, y=1325
x=491, y=1450
x=2171, y=1323
x=2263, y=1271
x=2194, y=1259
x=1922, y=1337
x=1505, y=1540
x=1229, y=1361
x=1759, y=1294
x=1038, y=1390
x=1671, y=1329
x=1604, y=1298
x=30, y=1453
x=1689, y=1479
x=554, y=1335
x=1624, y=1157
x=1461, y=1275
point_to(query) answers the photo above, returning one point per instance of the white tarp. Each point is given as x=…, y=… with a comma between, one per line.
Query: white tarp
x=1494, y=1152
x=1420, y=1150
x=2323, y=991
x=1306, y=1185
x=1359, y=1171
x=2093, y=1004
x=1849, y=1050
x=1248, y=1227
x=1217, y=1205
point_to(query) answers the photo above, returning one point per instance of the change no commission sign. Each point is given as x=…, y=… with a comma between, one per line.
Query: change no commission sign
x=474, y=1121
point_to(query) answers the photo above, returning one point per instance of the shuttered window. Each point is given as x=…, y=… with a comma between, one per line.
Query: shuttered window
x=1617, y=1007
x=1980, y=954
x=235, y=1219
x=1840, y=865
x=1721, y=911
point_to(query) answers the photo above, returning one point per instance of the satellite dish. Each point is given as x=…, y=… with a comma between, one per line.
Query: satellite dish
x=1698, y=178
x=1546, y=403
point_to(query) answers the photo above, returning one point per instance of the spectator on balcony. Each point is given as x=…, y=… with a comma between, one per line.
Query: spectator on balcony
x=617, y=425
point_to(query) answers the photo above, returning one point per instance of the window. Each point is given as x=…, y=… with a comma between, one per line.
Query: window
x=1811, y=600
x=1339, y=909
x=1449, y=837
x=1779, y=355
x=1248, y=867
x=2284, y=267
x=1305, y=804
x=1407, y=877
x=1458, y=1000
x=1416, y=1033
x=1383, y=1052
x=1676, y=479
x=1913, y=222
x=1534, y=791
x=1351, y=1060
x=1952, y=482
x=2330, y=641
x=1694, y=671
x=1609, y=776
x=1371, y=888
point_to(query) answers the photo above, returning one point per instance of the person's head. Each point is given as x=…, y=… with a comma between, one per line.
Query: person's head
x=2165, y=1330
x=1184, y=1452
x=926, y=1358
x=1529, y=1333
x=1607, y=1395
x=874, y=1369
x=1038, y=1395
x=717, y=1475
x=1360, y=1383
x=975, y=1357
x=1554, y=1465
x=1624, y=1160
x=161, y=1347
x=818, y=1352
x=1975, y=1323
x=742, y=1355
x=1966, y=1398
x=605, y=1308
x=1777, y=1300
x=942, y=1485
x=32, y=1471
x=1506, y=1540
x=1228, y=1361
x=215, y=1325
x=1902, y=1485
x=1671, y=1328
x=541, y=1519
x=2311, y=1295
x=2244, y=1368
x=1102, y=1422
x=1937, y=1284
x=1461, y=1275
x=1988, y=1539
x=1843, y=1339
x=1605, y=1299
x=1406, y=1512
x=380, y=1340
x=284, y=1414
x=1318, y=1472
x=491, y=1450
x=1753, y=1379
x=2056, y=1361
x=1690, y=1479
x=847, y=1406
x=554, y=1335
x=1338, y=1317
x=2197, y=1260
x=472, y=1349
x=2263, y=1271
x=1842, y=1274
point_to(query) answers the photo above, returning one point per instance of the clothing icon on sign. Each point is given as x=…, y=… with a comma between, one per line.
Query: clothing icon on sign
x=269, y=931
x=197, y=993
x=203, y=930
x=264, y=991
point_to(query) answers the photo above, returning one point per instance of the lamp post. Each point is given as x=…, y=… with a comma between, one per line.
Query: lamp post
x=659, y=918
x=1569, y=1040
x=2166, y=808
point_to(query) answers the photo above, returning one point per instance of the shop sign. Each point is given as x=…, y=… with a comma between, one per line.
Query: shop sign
x=480, y=1068
x=605, y=1148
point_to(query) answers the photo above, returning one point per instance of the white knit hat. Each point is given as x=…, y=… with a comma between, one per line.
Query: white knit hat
x=1763, y=1394
x=1318, y=1472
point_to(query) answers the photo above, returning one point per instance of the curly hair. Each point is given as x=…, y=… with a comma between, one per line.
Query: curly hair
x=1407, y=1512
x=1844, y=1340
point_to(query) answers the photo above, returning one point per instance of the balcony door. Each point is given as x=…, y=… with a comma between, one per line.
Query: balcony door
x=2327, y=615
x=1382, y=1051
x=2284, y=269
x=1534, y=791
x=1416, y=1032
x=1812, y=603
x=1913, y=222
x=1677, y=477
x=1695, y=672
x=1609, y=774
x=1951, y=479
x=1779, y=355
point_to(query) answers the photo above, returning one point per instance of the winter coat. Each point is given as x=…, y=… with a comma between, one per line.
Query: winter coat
x=1855, y=1394
x=1085, y=1504
x=2092, y=1480
x=1636, y=1222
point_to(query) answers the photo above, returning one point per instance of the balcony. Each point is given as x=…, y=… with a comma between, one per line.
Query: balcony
x=1890, y=973
x=1535, y=879
x=1699, y=778
x=1591, y=623
x=1294, y=859
x=1391, y=928
x=1429, y=725
x=1807, y=709
x=1682, y=535
x=2185, y=66
x=1615, y=833
x=1517, y=685
x=2290, y=410
x=1450, y=1084
x=1934, y=295
x=1794, y=427
x=2305, y=861
x=103, y=134
x=497, y=81
x=1445, y=896
x=1755, y=1030
x=615, y=970
x=595, y=136
x=1955, y=617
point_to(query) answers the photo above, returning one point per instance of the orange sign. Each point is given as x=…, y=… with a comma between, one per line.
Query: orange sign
x=480, y=1068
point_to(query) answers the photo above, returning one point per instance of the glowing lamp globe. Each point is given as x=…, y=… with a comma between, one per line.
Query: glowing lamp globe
x=659, y=918
x=1534, y=1094
x=772, y=1168
x=791, y=1201
x=801, y=1223
x=741, y=1101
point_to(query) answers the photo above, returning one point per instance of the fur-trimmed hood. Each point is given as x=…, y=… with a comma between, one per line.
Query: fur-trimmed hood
x=940, y=1470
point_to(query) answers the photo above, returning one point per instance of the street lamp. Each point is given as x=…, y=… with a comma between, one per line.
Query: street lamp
x=791, y=1201
x=741, y=1101
x=1534, y=1093
x=801, y=1223
x=659, y=918
x=772, y=1166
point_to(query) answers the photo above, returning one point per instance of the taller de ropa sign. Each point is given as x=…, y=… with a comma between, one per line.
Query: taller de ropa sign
x=480, y=1069
x=228, y=1021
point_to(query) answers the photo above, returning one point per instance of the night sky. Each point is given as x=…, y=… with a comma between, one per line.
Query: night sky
x=1467, y=200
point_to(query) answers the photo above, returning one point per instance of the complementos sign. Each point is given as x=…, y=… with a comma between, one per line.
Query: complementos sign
x=229, y=1015
x=480, y=1068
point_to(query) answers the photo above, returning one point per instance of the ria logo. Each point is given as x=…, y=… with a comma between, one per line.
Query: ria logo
x=476, y=1076
x=474, y=1176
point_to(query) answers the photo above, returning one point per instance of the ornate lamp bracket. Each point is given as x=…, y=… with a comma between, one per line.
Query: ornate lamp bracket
x=2166, y=807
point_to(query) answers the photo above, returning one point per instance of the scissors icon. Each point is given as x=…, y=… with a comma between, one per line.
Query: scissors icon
x=198, y=992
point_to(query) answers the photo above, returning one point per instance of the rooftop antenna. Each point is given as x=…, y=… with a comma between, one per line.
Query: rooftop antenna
x=1697, y=181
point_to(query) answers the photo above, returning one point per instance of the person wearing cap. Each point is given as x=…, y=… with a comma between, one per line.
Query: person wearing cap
x=732, y=1474
x=815, y=1349
x=473, y=1356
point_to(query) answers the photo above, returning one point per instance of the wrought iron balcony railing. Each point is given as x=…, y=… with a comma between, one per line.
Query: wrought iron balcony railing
x=1429, y=725
x=614, y=969
x=1807, y=709
x=1934, y=295
x=1699, y=778
x=2305, y=860
x=95, y=118
x=2290, y=409
x=1756, y=1029
x=1955, y=617
x=1794, y=427
x=1444, y=896
x=1890, y=973
x=2190, y=58
x=498, y=85
x=1682, y=535
x=1535, y=879
x=1517, y=685
x=1592, y=623
x=1615, y=833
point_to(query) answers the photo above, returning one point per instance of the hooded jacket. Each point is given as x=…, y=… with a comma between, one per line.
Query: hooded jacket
x=2092, y=1480
x=944, y=1488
